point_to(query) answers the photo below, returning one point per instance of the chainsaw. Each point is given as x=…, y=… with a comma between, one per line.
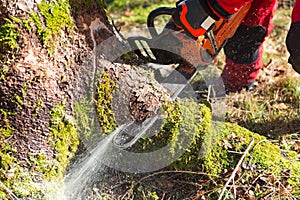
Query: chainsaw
x=169, y=47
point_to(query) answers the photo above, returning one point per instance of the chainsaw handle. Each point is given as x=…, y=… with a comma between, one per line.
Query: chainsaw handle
x=153, y=14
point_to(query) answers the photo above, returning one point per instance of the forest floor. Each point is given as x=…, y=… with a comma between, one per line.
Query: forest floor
x=271, y=108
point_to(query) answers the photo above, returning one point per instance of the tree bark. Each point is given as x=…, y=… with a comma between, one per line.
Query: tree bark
x=47, y=54
x=43, y=45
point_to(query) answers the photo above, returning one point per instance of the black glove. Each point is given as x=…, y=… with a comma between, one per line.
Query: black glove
x=197, y=16
x=293, y=45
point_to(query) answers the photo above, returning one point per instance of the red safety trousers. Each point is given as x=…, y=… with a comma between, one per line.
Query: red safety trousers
x=296, y=12
x=240, y=70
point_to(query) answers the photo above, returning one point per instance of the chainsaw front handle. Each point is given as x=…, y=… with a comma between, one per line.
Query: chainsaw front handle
x=155, y=13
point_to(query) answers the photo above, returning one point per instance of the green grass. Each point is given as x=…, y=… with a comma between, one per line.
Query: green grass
x=135, y=13
x=272, y=108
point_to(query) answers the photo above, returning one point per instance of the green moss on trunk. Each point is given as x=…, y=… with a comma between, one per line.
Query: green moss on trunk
x=52, y=19
x=9, y=35
x=22, y=181
x=64, y=138
x=57, y=17
x=104, y=95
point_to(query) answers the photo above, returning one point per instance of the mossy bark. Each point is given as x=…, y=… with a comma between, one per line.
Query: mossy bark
x=42, y=48
x=217, y=147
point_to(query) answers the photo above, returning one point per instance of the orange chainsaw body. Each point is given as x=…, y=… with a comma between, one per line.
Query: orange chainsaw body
x=197, y=52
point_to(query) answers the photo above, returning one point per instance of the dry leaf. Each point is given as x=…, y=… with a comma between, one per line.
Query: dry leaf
x=226, y=144
x=280, y=106
x=296, y=146
x=250, y=195
x=128, y=13
x=10, y=173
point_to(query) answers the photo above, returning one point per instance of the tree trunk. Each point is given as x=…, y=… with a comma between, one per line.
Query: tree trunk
x=48, y=52
x=42, y=47
x=56, y=89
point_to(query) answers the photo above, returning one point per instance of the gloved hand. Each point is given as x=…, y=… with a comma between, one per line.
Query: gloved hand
x=293, y=45
x=197, y=16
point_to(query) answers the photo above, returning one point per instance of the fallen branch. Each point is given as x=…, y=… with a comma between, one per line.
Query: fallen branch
x=236, y=168
x=167, y=172
x=10, y=193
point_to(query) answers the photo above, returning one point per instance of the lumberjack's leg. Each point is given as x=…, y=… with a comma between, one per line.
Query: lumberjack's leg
x=244, y=50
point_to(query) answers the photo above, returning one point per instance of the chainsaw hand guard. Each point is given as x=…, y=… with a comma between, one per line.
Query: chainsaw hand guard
x=195, y=17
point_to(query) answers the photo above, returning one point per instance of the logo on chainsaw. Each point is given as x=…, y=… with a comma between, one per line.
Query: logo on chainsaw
x=179, y=65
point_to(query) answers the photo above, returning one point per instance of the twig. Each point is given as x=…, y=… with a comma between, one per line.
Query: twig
x=9, y=191
x=189, y=183
x=235, y=152
x=261, y=141
x=119, y=185
x=163, y=196
x=258, y=177
x=168, y=172
x=209, y=91
x=234, y=188
x=236, y=168
x=129, y=192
